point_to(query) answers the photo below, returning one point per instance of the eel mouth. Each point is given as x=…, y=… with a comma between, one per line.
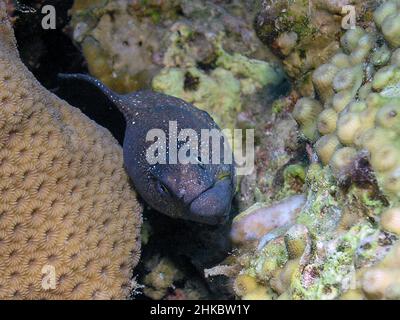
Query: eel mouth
x=213, y=205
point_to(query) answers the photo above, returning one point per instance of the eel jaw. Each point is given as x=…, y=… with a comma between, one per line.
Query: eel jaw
x=213, y=205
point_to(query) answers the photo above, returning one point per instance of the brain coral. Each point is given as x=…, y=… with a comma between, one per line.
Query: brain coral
x=67, y=212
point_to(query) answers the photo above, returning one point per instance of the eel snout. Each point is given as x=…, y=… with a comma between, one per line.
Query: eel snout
x=213, y=205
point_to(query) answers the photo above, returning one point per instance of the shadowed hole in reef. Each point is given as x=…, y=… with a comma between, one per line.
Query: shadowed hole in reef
x=191, y=82
x=46, y=52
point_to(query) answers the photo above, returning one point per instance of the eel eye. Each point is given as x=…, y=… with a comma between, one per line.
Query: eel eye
x=163, y=188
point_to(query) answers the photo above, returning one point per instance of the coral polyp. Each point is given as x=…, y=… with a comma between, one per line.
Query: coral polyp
x=327, y=121
x=344, y=242
x=306, y=112
x=326, y=146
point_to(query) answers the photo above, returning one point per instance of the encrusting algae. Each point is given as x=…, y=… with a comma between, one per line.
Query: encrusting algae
x=66, y=206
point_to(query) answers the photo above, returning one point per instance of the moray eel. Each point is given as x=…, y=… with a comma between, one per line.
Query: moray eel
x=198, y=191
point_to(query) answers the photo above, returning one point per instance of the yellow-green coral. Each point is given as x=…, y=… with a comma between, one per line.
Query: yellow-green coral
x=366, y=102
x=305, y=113
x=69, y=220
x=338, y=247
x=249, y=289
x=320, y=256
x=305, y=34
x=219, y=90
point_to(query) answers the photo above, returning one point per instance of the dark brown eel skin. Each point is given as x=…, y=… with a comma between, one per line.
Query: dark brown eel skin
x=198, y=191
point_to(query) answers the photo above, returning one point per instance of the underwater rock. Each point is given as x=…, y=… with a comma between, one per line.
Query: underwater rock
x=67, y=209
x=279, y=171
x=125, y=41
x=193, y=187
x=304, y=35
x=220, y=89
x=279, y=166
x=348, y=225
x=118, y=47
x=254, y=223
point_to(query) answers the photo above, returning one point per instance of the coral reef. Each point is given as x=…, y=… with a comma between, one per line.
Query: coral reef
x=124, y=41
x=320, y=214
x=186, y=54
x=161, y=278
x=324, y=252
x=117, y=46
x=304, y=33
x=358, y=91
x=206, y=53
x=344, y=242
x=259, y=219
x=68, y=216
